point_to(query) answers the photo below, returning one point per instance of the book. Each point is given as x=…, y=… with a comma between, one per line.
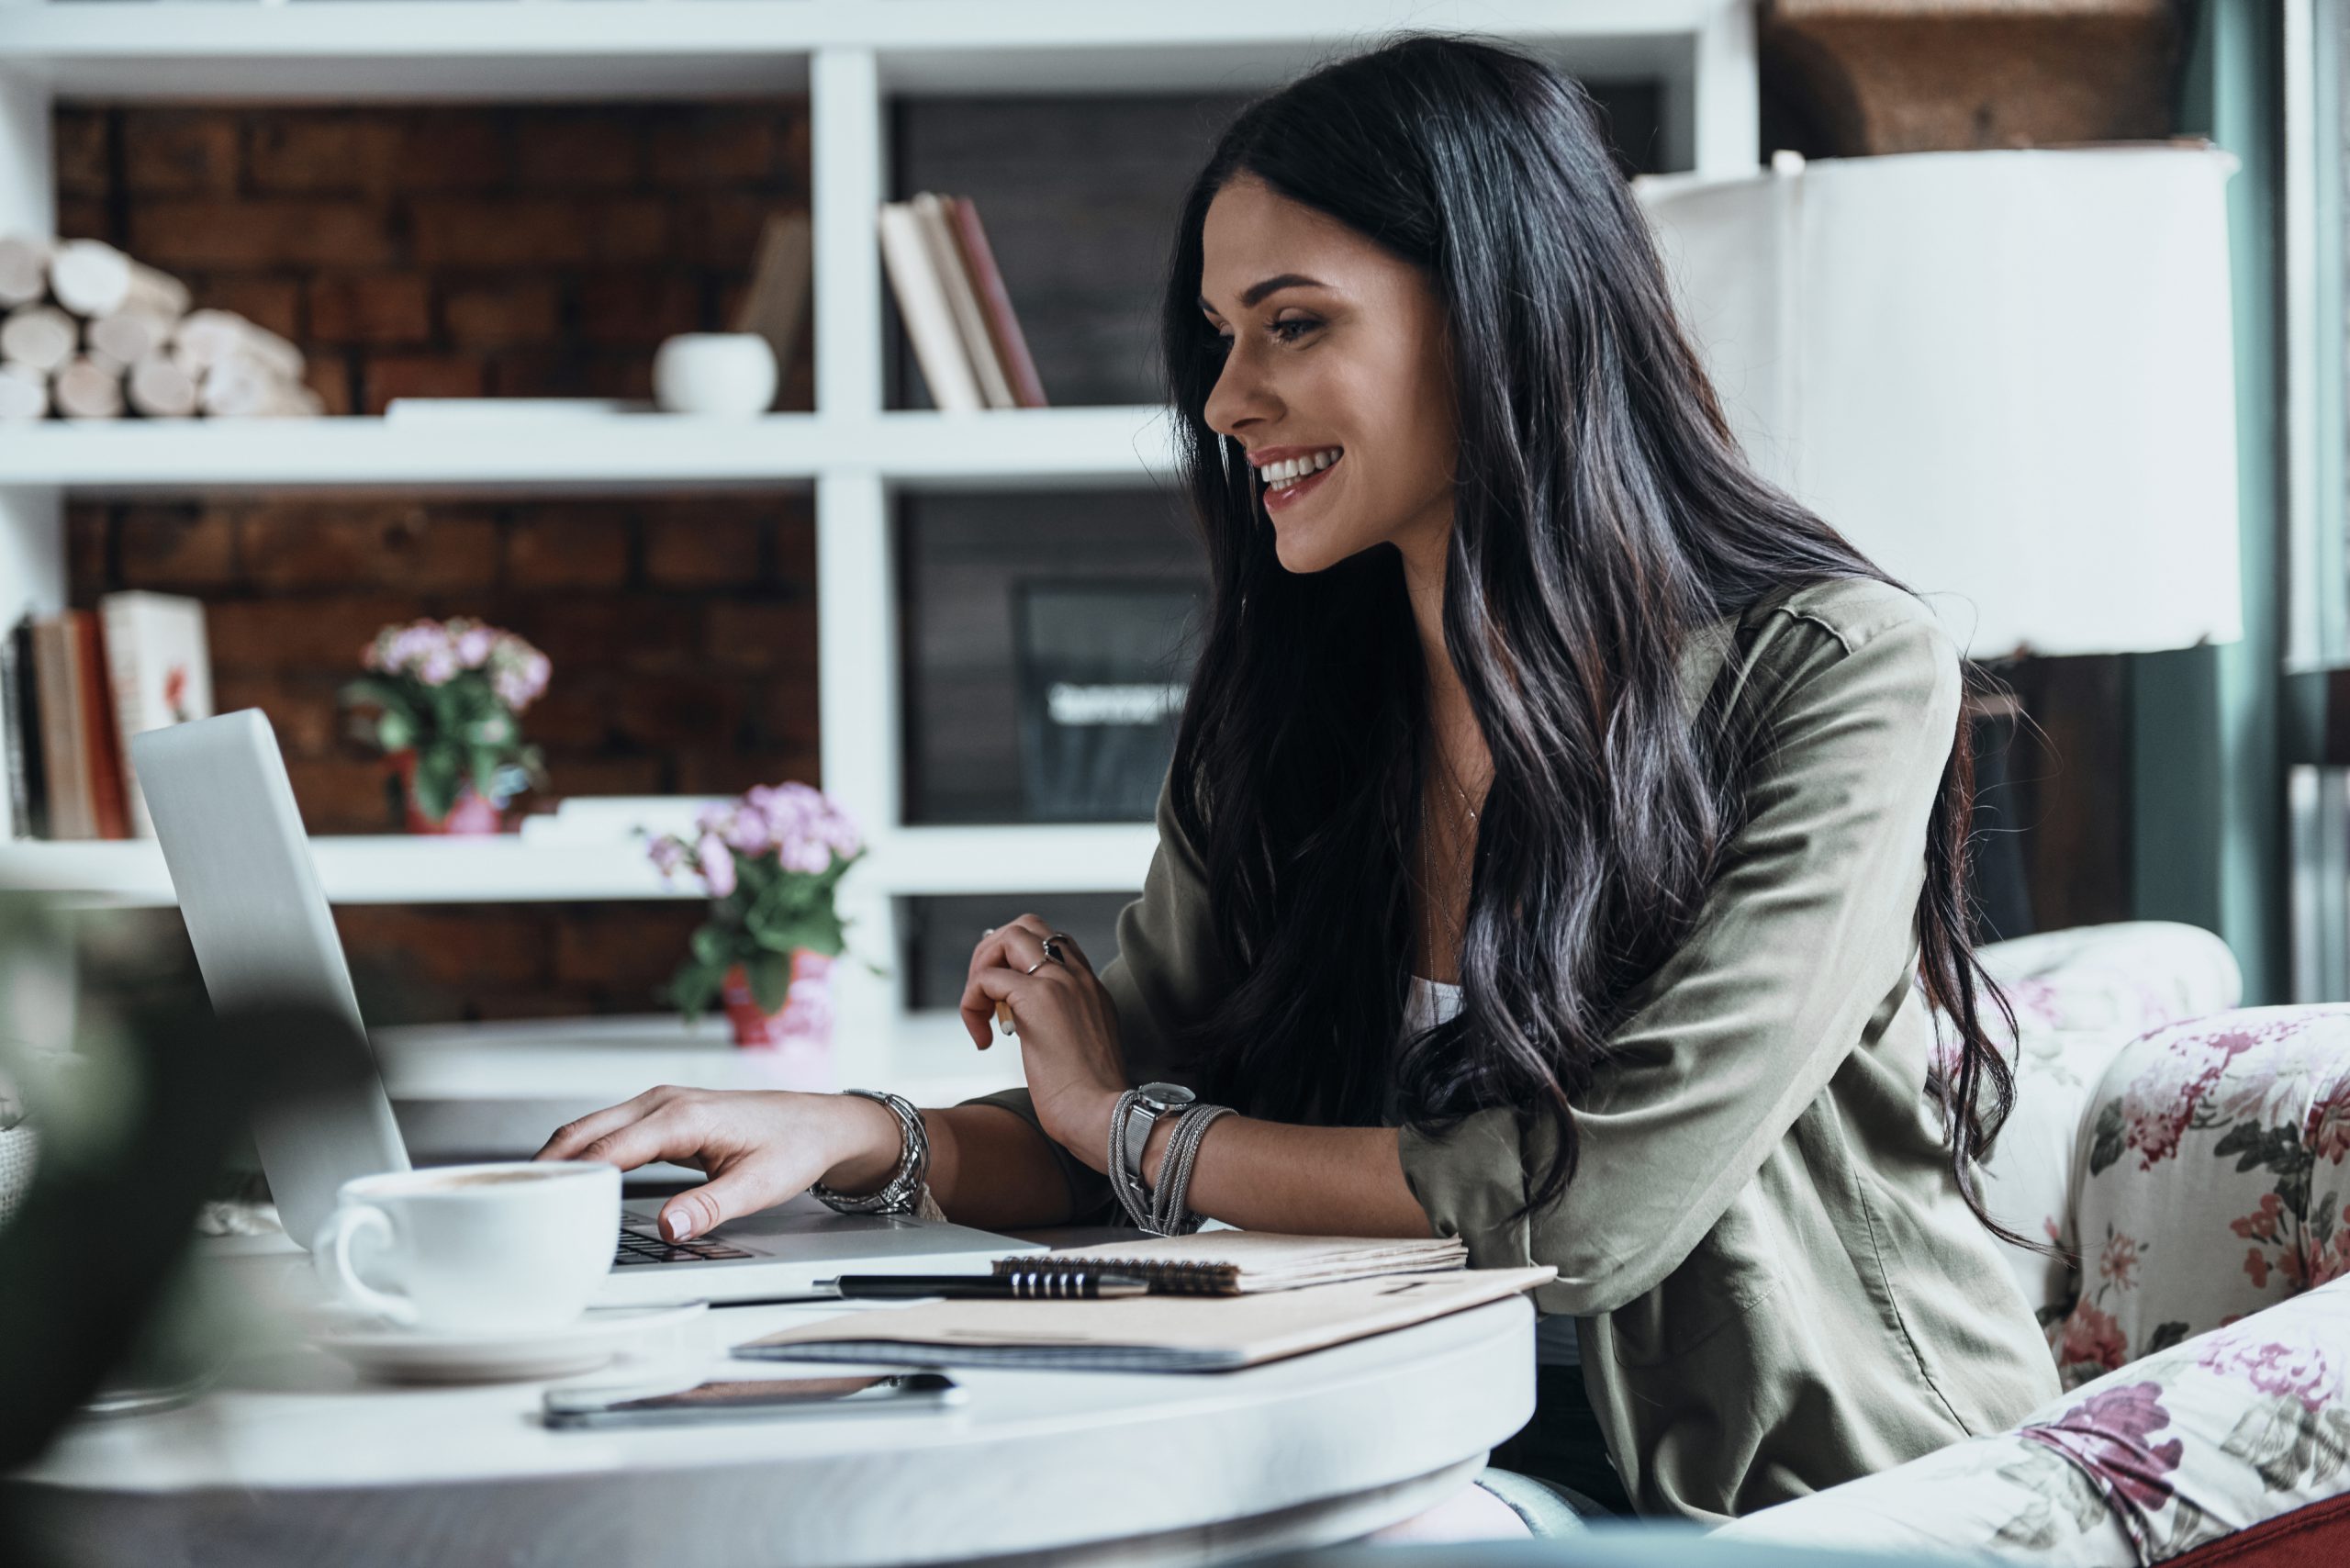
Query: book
x=922, y=304
x=102, y=746
x=19, y=734
x=1247, y=1263
x=159, y=669
x=1144, y=1333
x=1003, y=325
x=962, y=300
x=775, y=304
x=64, y=758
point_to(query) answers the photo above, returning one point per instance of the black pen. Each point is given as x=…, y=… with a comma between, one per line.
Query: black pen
x=1059, y=1284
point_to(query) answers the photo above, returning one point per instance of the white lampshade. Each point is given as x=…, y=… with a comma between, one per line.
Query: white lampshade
x=2006, y=377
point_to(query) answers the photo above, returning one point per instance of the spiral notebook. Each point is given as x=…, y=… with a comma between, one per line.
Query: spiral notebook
x=1246, y=1262
x=1145, y=1333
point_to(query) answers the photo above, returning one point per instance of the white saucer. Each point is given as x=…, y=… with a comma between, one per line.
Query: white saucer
x=405, y=1355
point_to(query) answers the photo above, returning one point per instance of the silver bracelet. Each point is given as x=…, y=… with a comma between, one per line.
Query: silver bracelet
x=901, y=1194
x=1171, y=1214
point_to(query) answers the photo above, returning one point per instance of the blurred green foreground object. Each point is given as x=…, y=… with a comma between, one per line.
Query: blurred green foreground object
x=135, y=1115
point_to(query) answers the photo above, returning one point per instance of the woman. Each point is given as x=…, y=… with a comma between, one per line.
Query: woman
x=1561, y=822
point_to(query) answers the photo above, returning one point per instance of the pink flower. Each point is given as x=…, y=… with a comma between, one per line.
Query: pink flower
x=2091, y=1343
x=2291, y=1372
x=745, y=831
x=2330, y=1125
x=473, y=644
x=2105, y=1434
x=2118, y=1263
x=717, y=863
x=2261, y=1224
x=668, y=855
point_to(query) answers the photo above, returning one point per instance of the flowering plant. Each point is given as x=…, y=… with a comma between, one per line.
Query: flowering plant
x=771, y=861
x=448, y=692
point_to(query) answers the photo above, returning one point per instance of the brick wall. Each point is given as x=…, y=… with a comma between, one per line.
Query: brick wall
x=477, y=251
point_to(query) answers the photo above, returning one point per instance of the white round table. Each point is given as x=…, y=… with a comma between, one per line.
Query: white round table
x=292, y=1460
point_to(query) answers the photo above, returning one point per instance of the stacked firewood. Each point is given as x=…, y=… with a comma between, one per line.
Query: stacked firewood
x=91, y=334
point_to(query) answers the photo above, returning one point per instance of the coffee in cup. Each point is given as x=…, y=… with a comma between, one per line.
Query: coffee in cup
x=473, y=1249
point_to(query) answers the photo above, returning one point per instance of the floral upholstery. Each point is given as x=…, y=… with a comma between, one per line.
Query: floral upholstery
x=2211, y=1180
x=2190, y=1444
x=2079, y=997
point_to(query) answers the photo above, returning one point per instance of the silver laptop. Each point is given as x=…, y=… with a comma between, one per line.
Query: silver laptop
x=241, y=864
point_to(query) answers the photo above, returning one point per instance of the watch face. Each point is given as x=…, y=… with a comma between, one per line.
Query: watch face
x=1167, y=1096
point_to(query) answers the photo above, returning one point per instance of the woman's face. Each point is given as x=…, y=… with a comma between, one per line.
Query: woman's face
x=1336, y=356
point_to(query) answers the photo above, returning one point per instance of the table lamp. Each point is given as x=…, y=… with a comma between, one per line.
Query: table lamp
x=2006, y=377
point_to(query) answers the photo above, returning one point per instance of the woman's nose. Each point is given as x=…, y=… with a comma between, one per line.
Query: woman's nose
x=1239, y=397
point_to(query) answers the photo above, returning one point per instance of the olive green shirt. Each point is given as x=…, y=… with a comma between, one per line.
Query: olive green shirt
x=1777, y=1285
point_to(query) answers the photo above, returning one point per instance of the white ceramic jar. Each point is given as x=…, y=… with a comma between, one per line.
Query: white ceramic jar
x=714, y=372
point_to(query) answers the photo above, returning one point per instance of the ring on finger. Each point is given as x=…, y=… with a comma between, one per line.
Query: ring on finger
x=1053, y=947
x=1033, y=968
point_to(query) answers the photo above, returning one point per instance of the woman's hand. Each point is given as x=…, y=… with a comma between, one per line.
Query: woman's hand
x=1069, y=1030
x=759, y=1148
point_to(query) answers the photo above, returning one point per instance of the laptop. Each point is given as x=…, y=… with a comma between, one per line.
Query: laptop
x=241, y=865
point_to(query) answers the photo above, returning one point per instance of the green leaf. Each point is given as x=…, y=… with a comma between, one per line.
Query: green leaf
x=2106, y=1149
x=437, y=777
x=709, y=945
x=695, y=987
x=770, y=975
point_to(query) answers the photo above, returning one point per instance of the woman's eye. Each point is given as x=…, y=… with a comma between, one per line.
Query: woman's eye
x=1289, y=328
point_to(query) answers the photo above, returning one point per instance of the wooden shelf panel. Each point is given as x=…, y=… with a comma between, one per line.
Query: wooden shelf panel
x=392, y=868
x=589, y=49
x=592, y=453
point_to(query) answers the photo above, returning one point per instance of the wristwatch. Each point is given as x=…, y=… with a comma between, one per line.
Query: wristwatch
x=1151, y=1102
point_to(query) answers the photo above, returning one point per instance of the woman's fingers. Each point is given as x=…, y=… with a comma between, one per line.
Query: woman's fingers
x=673, y=1132
x=981, y=994
x=572, y=1137
x=990, y=986
x=732, y=1193
x=990, y=949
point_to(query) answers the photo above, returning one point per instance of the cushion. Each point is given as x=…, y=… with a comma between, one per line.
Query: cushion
x=2210, y=1181
x=2185, y=1447
x=2079, y=997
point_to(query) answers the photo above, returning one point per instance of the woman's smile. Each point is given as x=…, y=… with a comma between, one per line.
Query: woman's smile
x=1288, y=480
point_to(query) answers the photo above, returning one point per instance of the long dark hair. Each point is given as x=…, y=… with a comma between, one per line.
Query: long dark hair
x=1603, y=512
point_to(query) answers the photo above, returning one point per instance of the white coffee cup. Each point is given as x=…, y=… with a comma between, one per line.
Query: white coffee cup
x=714, y=372
x=473, y=1249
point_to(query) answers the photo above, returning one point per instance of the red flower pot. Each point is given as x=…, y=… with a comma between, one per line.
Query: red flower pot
x=803, y=1024
x=470, y=815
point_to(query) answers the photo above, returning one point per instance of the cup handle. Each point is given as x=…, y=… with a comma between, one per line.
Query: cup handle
x=334, y=1242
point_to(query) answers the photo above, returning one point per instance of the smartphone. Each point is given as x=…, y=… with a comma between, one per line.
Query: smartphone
x=753, y=1399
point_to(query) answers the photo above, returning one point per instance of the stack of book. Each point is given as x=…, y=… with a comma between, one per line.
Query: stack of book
x=956, y=310
x=74, y=688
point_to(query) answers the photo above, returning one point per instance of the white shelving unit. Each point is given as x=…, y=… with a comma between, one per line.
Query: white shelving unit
x=851, y=57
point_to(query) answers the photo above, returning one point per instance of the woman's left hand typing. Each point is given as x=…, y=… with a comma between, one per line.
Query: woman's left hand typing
x=1068, y=1028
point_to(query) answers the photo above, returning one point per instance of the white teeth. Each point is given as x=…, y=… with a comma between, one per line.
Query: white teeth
x=1282, y=474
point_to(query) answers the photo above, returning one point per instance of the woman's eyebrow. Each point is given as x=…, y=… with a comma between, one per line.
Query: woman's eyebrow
x=1257, y=291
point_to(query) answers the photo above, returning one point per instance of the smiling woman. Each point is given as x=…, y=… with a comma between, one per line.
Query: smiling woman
x=1563, y=849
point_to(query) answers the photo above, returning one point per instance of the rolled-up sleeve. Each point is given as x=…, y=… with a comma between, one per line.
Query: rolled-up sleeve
x=1806, y=934
x=1168, y=972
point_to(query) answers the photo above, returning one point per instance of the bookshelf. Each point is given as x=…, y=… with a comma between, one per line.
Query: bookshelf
x=856, y=60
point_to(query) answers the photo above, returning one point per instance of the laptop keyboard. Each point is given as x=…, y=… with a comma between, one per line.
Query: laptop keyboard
x=646, y=1247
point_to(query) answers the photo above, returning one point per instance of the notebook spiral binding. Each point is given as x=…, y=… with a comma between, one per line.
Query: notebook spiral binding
x=1206, y=1278
x=1032, y=1283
